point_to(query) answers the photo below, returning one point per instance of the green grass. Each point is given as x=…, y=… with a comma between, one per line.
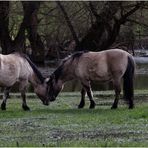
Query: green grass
x=62, y=124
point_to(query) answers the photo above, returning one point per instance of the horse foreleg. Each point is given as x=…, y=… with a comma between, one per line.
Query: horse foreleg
x=90, y=95
x=24, y=104
x=5, y=97
x=82, y=102
x=23, y=95
x=117, y=88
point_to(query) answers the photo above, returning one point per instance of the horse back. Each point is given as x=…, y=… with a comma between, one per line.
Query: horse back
x=117, y=60
x=12, y=68
x=103, y=66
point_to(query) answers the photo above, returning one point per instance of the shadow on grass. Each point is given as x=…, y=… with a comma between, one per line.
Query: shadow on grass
x=77, y=111
x=47, y=111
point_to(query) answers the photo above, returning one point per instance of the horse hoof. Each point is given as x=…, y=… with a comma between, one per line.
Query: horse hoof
x=92, y=105
x=131, y=107
x=80, y=106
x=3, y=106
x=114, y=107
x=26, y=108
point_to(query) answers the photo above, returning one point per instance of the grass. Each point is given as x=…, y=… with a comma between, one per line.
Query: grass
x=62, y=124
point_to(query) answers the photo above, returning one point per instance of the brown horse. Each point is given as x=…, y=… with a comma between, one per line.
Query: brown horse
x=19, y=68
x=110, y=65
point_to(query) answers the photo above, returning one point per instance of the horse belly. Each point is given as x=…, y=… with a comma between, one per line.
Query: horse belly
x=7, y=77
x=100, y=74
x=7, y=82
x=99, y=77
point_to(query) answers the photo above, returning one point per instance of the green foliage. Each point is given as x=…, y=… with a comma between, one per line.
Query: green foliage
x=62, y=124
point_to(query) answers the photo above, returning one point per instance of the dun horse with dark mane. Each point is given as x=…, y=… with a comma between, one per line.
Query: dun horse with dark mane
x=19, y=68
x=110, y=65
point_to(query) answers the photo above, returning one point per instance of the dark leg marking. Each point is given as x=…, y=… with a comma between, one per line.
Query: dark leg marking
x=90, y=96
x=23, y=85
x=5, y=97
x=82, y=102
x=24, y=104
x=3, y=106
x=131, y=104
x=117, y=88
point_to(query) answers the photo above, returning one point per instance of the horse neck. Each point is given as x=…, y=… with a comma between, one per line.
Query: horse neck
x=68, y=72
x=34, y=80
x=35, y=77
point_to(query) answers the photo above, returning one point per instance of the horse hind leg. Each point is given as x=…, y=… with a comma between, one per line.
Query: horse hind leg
x=5, y=97
x=82, y=102
x=117, y=88
x=24, y=104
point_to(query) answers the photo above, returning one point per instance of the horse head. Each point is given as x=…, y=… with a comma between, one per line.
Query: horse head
x=41, y=91
x=55, y=86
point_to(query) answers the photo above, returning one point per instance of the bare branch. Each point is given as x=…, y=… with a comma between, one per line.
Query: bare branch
x=136, y=22
x=93, y=10
x=125, y=16
x=68, y=22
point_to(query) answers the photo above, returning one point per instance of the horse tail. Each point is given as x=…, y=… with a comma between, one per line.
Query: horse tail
x=128, y=78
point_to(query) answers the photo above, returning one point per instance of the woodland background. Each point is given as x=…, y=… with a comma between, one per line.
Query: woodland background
x=48, y=30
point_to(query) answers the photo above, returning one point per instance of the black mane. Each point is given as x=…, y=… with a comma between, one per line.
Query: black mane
x=58, y=72
x=35, y=69
x=78, y=54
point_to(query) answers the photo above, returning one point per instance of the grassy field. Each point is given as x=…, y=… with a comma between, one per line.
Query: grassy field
x=62, y=124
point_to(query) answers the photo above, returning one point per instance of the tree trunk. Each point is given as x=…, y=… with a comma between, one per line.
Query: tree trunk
x=7, y=45
x=67, y=19
x=30, y=10
x=5, y=40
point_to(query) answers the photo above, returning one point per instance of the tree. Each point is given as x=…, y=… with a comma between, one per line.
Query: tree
x=8, y=45
x=46, y=26
x=106, y=27
x=68, y=22
x=31, y=21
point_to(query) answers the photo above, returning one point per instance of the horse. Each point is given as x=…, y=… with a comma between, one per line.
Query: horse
x=104, y=66
x=17, y=67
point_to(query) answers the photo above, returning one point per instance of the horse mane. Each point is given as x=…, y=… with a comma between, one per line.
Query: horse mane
x=57, y=73
x=74, y=56
x=34, y=68
x=78, y=54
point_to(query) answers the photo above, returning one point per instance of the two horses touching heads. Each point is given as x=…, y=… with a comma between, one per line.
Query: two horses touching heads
x=110, y=65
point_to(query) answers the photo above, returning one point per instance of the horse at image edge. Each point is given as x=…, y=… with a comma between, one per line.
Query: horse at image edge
x=18, y=67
